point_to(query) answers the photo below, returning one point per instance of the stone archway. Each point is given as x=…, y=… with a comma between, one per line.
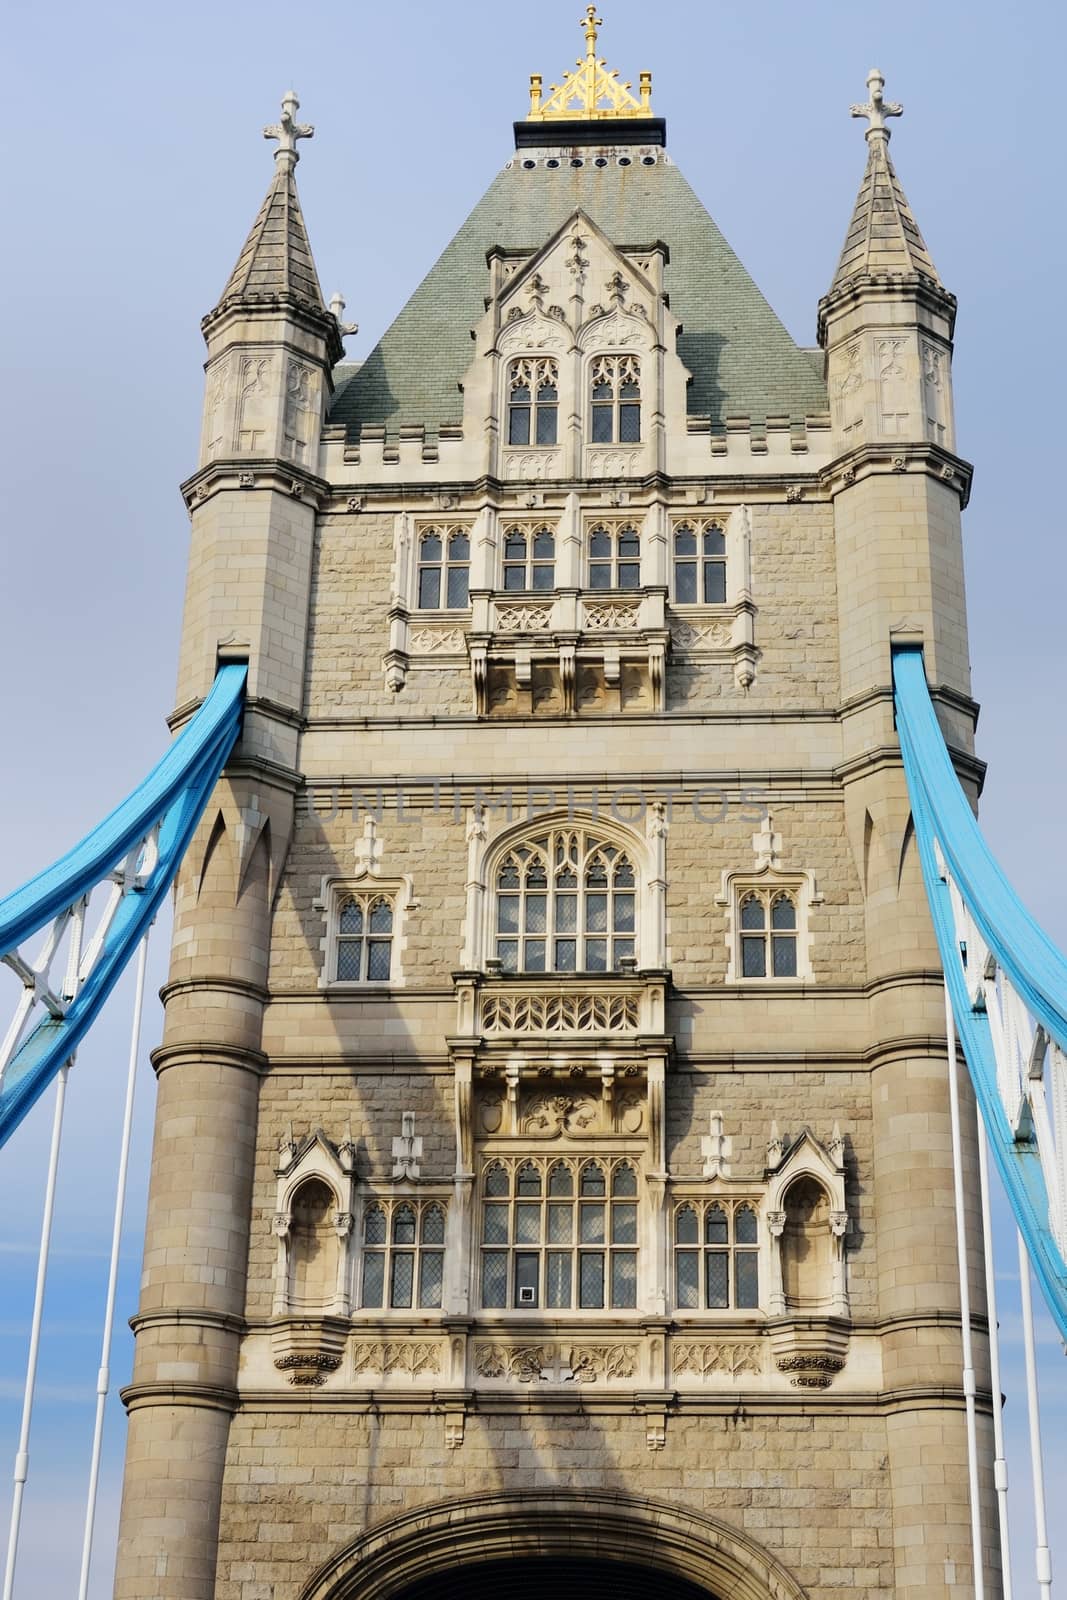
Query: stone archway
x=641, y=1548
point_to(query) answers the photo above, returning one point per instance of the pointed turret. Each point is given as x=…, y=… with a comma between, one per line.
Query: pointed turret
x=883, y=236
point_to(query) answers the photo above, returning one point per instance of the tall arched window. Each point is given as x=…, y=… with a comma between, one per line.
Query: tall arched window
x=533, y=402
x=615, y=400
x=444, y=569
x=566, y=901
x=529, y=557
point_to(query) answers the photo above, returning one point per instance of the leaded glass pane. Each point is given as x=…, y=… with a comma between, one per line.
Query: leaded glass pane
x=496, y=1181
x=591, y=1224
x=494, y=1280
x=591, y=1280
x=685, y=542
x=592, y=1182
x=624, y=951
x=560, y=1224
x=381, y=917
x=624, y=875
x=527, y=1224
x=546, y=424
x=518, y=425
x=495, y=1225
x=507, y=953
x=529, y=1180
x=431, y=1279
x=629, y=575
x=629, y=424
x=753, y=958
x=514, y=578
x=623, y=1224
x=459, y=547
x=746, y=1270
x=544, y=545
x=429, y=588
x=783, y=912
x=686, y=1272
x=603, y=419
x=624, y=1180
x=534, y=955
x=566, y=955
x=403, y=1225
x=714, y=583
x=373, y=1278
x=600, y=575
x=403, y=1280
x=624, y=913
x=596, y=955
x=374, y=1226
x=685, y=582
x=515, y=547
x=558, y=1279
x=716, y=1226
x=596, y=875
x=351, y=917
x=536, y=913
x=433, y=1225
x=600, y=543
x=596, y=913
x=714, y=542
x=430, y=548
x=543, y=577
x=536, y=876
x=507, y=913
x=378, y=953
x=629, y=544
x=745, y=1227
x=458, y=590
x=560, y=1181
x=784, y=955
x=349, y=952
x=526, y=1274
x=685, y=1226
x=752, y=913
x=624, y=1279
x=718, y=1270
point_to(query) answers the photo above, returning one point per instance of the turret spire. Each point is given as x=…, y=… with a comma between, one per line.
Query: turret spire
x=883, y=238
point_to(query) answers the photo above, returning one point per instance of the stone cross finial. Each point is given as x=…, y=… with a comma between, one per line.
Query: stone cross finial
x=288, y=130
x=592, y=25
x=877, y=108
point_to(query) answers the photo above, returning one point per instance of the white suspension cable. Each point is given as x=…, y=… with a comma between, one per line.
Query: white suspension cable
x=103, y=1381
x=1000, y=1464
x=965, y=1304
x=22, y=1458
x=1043, y=1558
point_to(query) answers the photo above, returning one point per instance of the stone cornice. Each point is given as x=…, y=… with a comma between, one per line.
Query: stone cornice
x=898, y=456
x=203, y=1396
x=245, y=473
x=212, y=985
x=165, y=1056
x=191, y=1317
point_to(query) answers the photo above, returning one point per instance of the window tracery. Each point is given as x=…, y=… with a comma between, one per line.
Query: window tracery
x=768, y=932
x=565, y=902
x=615, y=400
x=443, y=577
x=559, y=1233
x=364, y=942
x=403, y=1256
x=533, y=401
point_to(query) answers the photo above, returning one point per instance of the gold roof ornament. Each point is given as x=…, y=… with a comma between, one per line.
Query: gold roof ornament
x=592, y=93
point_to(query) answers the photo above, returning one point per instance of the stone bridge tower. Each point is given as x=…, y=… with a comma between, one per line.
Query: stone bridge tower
x=552, y=1179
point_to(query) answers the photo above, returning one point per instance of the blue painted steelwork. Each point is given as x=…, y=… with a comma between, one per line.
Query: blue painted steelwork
x=171, y=799
x=1029, y=960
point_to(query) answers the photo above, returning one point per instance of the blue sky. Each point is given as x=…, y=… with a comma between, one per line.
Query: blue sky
x=135, y=168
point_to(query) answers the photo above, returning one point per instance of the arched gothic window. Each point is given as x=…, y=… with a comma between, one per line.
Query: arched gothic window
x=614, y=557
x=364, y=939
x=403, y=1254
x=444, y=569
x=699, y=564
x=529, y=557
x=768, y=919
x=533, y=402
x=615, y=399
x=716, y=1256
x=566, y=901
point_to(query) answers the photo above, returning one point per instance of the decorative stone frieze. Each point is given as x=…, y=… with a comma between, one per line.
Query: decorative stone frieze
x=413, y=1358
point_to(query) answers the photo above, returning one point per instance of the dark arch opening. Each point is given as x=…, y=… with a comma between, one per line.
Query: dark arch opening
x=553, y=1578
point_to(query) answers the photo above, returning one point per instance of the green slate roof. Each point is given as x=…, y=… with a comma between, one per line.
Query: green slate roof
x=743, y=361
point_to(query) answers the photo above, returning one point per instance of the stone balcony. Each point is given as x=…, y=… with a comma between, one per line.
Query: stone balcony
x=570, y=1009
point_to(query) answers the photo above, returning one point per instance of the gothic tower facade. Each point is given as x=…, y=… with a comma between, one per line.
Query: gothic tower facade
x=552, y=1174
